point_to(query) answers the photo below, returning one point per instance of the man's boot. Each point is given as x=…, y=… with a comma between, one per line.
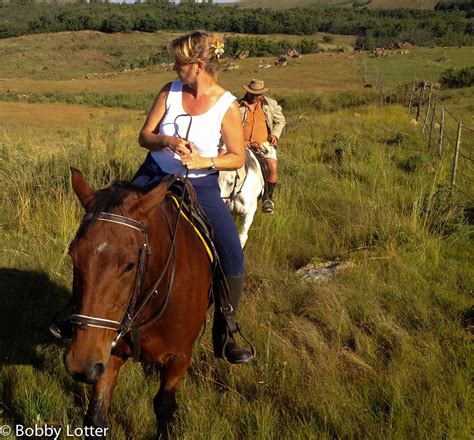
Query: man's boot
x=267, y=205
x=224, y=343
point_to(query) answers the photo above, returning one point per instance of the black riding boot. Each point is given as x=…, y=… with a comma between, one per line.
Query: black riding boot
x=268, y=206
x=224, y=343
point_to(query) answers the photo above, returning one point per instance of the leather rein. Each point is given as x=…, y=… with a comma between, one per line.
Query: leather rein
x=136, y=307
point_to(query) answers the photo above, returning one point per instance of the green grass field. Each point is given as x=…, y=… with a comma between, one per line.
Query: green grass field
x=379, y=351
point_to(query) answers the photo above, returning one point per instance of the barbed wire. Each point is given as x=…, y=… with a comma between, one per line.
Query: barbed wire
x=465, y=176
x=450, y=114
x=445, y=134
x=437, y=98
x=462, y=192
x=466, y=157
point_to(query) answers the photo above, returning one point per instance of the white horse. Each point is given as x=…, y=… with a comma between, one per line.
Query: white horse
x=241, y=189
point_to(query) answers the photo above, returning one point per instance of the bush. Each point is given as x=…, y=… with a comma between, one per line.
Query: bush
x=260, y=47
x=328, y=39
x=116, y=23
x=366, y=42
x=457, y=78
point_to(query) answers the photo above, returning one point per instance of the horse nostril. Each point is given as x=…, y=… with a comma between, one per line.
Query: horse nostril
x=91, y=376
x=99, y=369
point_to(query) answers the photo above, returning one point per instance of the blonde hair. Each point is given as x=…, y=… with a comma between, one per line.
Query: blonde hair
x=199, y=45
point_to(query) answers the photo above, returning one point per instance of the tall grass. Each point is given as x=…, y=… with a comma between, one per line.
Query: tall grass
x=377, y=352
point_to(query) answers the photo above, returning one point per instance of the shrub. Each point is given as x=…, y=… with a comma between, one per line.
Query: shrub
x=410, y=164
x=398, y=139
x=328, y=39
x=259, y=47
x=116, y=23
x=457, y=78
x=366, y=42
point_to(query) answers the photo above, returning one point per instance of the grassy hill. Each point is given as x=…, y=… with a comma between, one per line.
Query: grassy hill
x=379, y=351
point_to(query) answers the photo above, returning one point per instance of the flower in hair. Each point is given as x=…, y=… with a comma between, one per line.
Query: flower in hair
x=218, y=48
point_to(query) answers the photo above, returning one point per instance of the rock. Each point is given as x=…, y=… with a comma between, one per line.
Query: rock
x=322, y=272
x=292, y=53
x=231, y=66
x=282, y=60
x=242, y=55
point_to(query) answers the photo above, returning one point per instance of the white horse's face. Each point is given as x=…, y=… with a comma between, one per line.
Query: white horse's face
x=226, y=184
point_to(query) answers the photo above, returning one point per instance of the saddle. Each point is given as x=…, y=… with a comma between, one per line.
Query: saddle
x=261, y=160
x=193, y=213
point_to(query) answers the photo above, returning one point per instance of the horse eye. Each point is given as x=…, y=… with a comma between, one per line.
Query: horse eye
x=129, y=267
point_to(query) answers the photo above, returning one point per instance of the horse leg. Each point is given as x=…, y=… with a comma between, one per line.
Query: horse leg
x=164, y=403
x=246, y=222
x=98, y=411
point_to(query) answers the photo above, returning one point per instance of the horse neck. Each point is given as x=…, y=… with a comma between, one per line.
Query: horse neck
x=160, y=223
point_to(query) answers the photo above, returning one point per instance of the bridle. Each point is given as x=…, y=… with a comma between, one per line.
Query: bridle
x=135, y=308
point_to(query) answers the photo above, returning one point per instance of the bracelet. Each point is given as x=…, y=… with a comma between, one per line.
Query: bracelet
x=213, y=164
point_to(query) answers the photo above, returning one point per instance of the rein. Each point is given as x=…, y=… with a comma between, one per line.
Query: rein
x=134, y=310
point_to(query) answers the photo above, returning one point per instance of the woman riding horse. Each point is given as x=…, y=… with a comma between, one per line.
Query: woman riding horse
x=183, y=131
x=142, y=276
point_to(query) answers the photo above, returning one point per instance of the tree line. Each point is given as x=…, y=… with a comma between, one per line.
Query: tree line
x=448, y=26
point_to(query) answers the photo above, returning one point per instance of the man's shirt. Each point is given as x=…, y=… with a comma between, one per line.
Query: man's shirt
x=255, y=125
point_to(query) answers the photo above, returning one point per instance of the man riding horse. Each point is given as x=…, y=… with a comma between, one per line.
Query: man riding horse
x=263, y=123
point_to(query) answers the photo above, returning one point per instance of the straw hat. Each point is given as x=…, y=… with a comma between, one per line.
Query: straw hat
x=256, y=87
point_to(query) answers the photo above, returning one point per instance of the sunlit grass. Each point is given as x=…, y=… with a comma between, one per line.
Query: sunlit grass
x=379, y=351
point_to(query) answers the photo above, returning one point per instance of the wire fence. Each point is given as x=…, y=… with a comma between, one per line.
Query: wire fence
x=445, y=134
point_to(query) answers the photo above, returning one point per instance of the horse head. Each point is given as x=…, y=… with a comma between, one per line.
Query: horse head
x=106, y=259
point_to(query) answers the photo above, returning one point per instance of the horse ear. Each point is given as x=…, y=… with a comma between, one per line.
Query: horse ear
x=154, y=198
x=83, y=190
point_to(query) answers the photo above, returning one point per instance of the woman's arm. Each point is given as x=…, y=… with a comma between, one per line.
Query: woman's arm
x=233, y=136
x=150, y=138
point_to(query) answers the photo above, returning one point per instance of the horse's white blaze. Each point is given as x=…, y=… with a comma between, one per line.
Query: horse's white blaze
x=101, y=247
x=241, y=192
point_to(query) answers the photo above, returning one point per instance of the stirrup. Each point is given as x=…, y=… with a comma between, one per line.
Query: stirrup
x=268, y=206
x=223, y=348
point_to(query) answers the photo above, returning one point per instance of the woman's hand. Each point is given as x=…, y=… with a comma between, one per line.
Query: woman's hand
x=193, y=161
x=179, y=145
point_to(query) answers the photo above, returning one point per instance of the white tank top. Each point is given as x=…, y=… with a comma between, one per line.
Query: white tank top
x=204, y=130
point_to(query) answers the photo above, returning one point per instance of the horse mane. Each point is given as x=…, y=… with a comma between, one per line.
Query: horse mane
x=249, y=163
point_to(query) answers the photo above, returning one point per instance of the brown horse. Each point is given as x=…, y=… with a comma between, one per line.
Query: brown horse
x=131, y=278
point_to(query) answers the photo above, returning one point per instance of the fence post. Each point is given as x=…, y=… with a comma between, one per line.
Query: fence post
x=405, y=95
x=456, y=155
x=432, y=120
x=420, y=100
x=441, y=132
x=411, y=95
x=427, y=110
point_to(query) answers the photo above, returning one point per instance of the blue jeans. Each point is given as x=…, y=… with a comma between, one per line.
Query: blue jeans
x=226, y=239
